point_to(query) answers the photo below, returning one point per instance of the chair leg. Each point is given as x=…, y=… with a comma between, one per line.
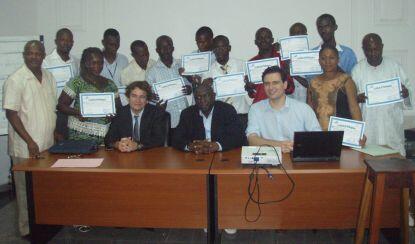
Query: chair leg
x=404, y=215
x=363, y=211
x=376, y=213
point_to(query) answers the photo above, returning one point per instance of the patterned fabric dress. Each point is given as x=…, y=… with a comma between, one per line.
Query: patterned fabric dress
x=93, y=129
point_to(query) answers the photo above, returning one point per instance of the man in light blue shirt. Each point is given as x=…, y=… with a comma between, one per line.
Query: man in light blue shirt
x=326, y=26
x=274, y=120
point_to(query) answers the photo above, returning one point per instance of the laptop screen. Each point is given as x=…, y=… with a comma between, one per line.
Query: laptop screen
x=317, y=146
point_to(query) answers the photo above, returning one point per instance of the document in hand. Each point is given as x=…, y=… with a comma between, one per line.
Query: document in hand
x=78, y=163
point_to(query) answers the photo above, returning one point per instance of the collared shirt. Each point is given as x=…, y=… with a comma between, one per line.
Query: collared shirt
x=280, y=125
x=133, y=72
x=347, y=57
x=259, y=88
x=240, y=103
x=160, y=72
x=140, y=115
x=300, y=92
x=384, y=124
x=207, y=124
x=35, y=103
x=113, y=71
x=53, y=60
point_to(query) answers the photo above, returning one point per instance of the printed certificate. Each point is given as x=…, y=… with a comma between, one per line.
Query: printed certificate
x=62, y=74
x=305, y=63
x=293, y=44
x=257, y=67
x=230, y=85
x=170, y=89
x=383, y=92
x=97, y=104
x=353, y=130
x=196, y=63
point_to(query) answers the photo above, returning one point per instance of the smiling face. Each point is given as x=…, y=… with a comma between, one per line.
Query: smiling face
x=326, y=29
x=137, y=100
x=373, y=50
x=33, y=55
x=328, y=60
x=274, y=86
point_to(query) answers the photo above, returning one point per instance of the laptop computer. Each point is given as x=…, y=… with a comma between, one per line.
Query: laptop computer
x=315, y=146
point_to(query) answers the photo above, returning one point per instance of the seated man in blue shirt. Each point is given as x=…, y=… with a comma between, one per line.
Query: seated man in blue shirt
x=208, y=126
x=274, y=120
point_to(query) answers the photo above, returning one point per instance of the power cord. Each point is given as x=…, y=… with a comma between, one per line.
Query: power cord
x=254, y=186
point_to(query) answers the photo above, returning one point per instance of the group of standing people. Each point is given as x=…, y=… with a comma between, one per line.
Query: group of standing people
x=269, y=113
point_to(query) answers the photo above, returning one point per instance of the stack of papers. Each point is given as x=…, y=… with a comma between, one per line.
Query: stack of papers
x=376, y=150
x=78, y=163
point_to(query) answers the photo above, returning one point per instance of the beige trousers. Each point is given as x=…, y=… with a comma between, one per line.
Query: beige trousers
x=20, y=184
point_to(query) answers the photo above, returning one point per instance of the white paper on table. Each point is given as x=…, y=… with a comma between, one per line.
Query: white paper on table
x=293, y=44
x=196, y=63
x=305, y=63
x=230, y=85
x=353, y=130
x=97, y=104
x=78, y=163
x=256, y=68
x=383, y=92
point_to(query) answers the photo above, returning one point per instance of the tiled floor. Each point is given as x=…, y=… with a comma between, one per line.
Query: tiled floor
x=101, y=235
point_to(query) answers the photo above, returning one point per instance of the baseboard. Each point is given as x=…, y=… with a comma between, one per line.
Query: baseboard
x=5, y=187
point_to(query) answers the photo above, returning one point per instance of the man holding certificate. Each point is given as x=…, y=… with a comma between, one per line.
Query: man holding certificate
x=384, y=123
x=64, y=67
x=273, y=121
x=87, y=120
x=166, y=69
x=222, y=68
x=264, y=41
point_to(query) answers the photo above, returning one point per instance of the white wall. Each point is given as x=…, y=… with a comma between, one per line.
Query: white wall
x=148, y=19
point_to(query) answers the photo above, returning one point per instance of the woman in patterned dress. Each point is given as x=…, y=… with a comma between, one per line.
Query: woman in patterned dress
x=89, y=81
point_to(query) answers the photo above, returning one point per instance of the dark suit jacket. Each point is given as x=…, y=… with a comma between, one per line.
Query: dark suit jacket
x=153, y=126
x=226, y=127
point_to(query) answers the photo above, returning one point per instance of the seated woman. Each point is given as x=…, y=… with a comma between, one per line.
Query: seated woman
x=332, y=93
x=138, y=125
x=89, y=81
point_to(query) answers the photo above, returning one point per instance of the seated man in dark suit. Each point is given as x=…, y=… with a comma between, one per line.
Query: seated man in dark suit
x=208, y=126
x=138, y=125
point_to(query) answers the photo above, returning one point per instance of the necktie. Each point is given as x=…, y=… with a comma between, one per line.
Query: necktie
x=136, y=130
x=224, y=68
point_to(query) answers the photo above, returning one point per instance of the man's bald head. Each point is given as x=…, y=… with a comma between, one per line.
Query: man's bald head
x=204, y=98
x=33, y=55
x=371, y=37
x=373, y=48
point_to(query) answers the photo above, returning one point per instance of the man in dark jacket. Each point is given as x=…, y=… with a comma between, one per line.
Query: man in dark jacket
x=208, y=126
x=138, y=125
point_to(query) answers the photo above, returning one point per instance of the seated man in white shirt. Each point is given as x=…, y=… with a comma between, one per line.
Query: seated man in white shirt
x=225, y=65
x=137, y=68
x=274, y=120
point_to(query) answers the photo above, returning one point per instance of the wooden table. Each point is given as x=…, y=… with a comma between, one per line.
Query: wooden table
x=161, y=187
x=326, y=194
